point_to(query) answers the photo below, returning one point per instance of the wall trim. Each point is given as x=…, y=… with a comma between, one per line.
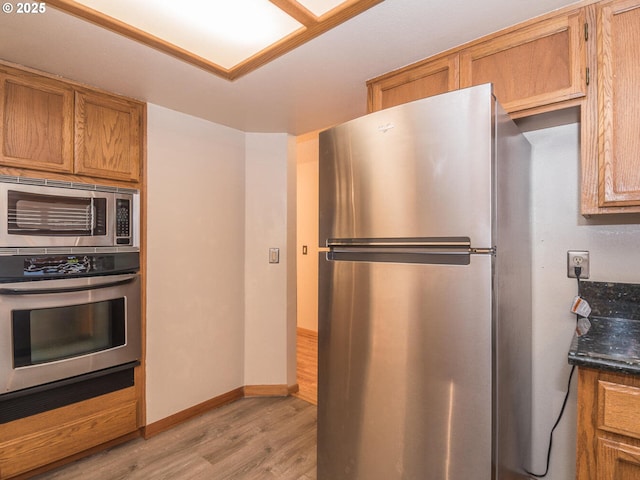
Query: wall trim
x=180, y=417
x=248, y=391
x=266, y=390
x=305, y=332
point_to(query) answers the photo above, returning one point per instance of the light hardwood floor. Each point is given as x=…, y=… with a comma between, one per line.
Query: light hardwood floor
x=251, y=439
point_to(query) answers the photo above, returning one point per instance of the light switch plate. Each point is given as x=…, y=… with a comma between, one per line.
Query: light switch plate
x=274, y=255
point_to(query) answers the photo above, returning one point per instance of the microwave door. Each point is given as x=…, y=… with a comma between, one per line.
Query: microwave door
x=55, y=216
x=43, y=216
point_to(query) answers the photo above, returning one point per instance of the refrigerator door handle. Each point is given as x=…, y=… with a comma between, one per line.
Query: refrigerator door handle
x=448, y=250
x=423, y=242
x=443, y=251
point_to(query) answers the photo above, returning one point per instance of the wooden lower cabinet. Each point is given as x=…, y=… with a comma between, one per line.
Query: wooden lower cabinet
x=617, y=461
x=608, y=439
x=66, y=431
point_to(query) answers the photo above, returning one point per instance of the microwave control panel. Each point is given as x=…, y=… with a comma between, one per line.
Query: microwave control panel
x=123, y=221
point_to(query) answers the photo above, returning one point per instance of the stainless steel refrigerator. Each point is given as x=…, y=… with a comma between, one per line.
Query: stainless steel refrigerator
x=425, y=293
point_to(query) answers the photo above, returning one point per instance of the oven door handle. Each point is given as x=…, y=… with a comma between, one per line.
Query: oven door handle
x=94, y=284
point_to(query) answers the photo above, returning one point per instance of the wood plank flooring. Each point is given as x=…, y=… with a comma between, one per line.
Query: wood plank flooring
x=251, y=439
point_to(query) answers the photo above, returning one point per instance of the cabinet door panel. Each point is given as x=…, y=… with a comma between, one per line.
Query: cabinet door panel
x=420, y=81
x=107, y=137
x=617, y=461
x=619, y=407
x=618, y=104
x=530, y=67
x=36, y=123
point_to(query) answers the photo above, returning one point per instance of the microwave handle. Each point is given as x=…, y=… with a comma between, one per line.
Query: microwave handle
x=96, y=283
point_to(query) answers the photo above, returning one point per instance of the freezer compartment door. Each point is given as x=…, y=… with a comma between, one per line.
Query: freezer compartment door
x=404, y=388
x=420, y=169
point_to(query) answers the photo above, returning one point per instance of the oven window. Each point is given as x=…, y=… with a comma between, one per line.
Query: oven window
x=50, y=334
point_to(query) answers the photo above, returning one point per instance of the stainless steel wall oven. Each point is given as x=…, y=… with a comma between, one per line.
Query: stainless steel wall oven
x=70, y=325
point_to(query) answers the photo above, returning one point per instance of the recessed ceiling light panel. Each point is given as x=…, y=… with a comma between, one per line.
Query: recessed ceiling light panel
x=227, y=37
x=223, y=32
x=320, y=7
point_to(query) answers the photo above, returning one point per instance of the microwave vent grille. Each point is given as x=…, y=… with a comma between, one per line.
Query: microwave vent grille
x=63, y=184
x=57, y=183
x=31, y=181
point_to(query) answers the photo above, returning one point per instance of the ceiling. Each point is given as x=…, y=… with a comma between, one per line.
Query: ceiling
x=317, y=85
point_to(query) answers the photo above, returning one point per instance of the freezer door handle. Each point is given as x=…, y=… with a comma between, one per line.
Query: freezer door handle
x=443, y=251
x=424, y=242
x=428, y=250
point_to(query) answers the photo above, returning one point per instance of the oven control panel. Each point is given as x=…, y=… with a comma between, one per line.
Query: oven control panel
x=35, y=267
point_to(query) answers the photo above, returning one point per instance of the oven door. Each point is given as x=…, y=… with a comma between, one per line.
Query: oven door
x=57, y=329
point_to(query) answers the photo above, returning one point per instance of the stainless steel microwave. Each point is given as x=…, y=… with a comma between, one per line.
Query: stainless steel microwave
x=49, y=213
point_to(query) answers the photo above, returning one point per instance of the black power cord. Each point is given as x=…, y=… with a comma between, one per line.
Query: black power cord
x=578, y=271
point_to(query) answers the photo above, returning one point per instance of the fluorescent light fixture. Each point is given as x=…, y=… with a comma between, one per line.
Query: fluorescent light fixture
x=224, y=32
x=227, y=37
x=320, y=7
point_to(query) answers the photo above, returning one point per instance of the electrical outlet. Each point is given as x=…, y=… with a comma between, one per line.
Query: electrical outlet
x=578, y=258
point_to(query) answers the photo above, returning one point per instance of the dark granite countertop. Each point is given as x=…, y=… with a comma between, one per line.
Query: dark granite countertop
x=613, y=341
x=610, y=344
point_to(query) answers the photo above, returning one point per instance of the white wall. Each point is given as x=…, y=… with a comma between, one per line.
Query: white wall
x=270, y=289
x=195, y=258
x=219, y=315
x=614, y=255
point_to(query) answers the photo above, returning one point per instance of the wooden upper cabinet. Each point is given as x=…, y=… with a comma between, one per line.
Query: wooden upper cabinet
x=618, y=24
x=36, y=123
x=540, y=64
x=107, y=136
x=52, y=125
x=432, y=77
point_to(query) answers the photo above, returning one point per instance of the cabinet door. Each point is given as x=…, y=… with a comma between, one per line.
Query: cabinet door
x=107, y=137
x=617, y=461
x=533, y=66
x=413, y=83
x=618, y=103
x=36, y=123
